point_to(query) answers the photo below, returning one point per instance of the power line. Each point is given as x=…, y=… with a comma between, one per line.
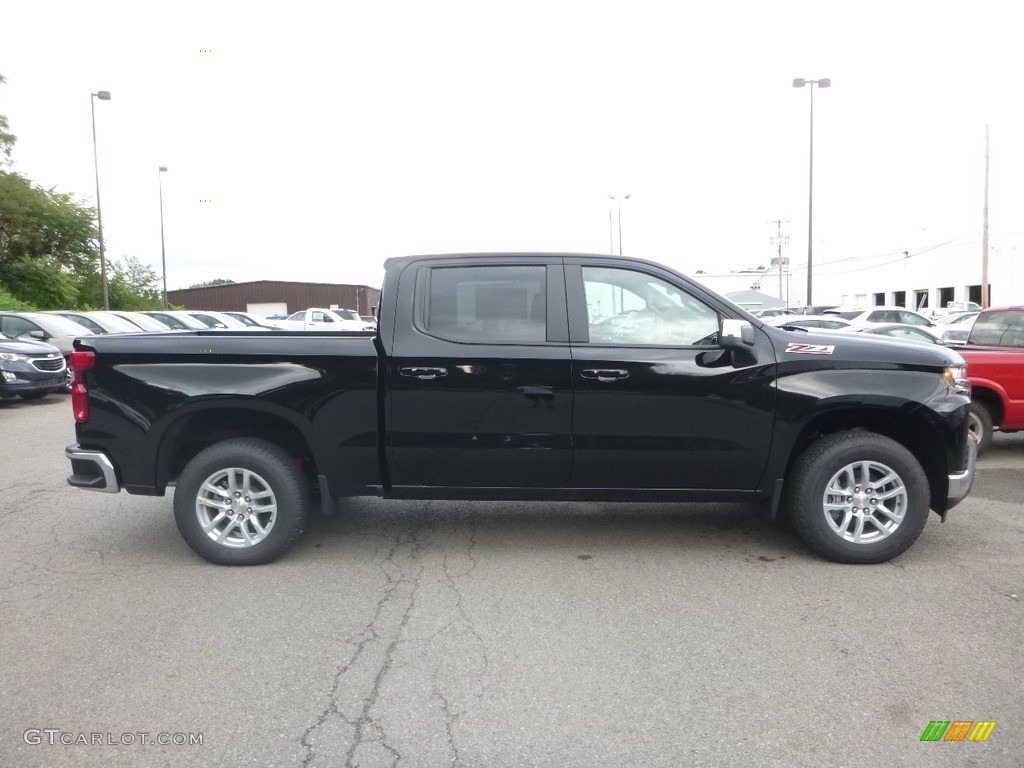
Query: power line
x=906, y=255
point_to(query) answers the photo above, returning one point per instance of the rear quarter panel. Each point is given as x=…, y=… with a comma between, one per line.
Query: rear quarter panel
x=147, y=394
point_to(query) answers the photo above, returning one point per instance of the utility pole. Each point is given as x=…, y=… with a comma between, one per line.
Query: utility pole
x=984, y=237
x=779, y=240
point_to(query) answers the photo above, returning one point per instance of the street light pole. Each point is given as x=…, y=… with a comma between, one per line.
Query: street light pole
x=163, y=250
x=102, y=96
x=799, y=82
x=611, y=229
x=618, y=202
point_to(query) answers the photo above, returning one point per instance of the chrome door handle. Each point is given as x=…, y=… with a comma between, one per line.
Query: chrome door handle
x=424, y=373
x=605, y=374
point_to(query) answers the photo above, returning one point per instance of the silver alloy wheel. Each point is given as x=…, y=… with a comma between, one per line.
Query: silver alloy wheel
x=236, y=508
x=974, y=425
x=865, y=502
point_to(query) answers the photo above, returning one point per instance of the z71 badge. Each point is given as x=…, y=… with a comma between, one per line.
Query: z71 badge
x=810, y=349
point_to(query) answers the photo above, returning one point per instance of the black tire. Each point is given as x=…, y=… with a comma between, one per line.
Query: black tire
x=262, y=475
x=897, y=509
x=980, y=424
x=33, y=395
x=69, y=379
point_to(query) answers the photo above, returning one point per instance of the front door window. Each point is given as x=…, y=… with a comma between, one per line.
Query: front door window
x=637, y=309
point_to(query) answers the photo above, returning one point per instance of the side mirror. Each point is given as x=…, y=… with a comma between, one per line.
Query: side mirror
x=37, y=334
x=737, y=339
x=736, y=334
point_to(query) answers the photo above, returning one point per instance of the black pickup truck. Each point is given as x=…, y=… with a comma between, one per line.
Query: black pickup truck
x=528, y=376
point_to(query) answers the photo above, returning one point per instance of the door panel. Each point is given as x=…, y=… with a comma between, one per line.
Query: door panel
x=479, y=383
x=652, y=407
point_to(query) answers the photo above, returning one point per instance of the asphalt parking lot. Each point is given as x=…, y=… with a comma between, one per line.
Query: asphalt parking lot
x=497, y=634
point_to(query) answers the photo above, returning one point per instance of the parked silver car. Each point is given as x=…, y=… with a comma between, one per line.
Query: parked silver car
x=141, y=320
x=810, y=322
x=899, y=331
x=30, y=369
x=99, y=321
x=956, y=327
x=40, y=326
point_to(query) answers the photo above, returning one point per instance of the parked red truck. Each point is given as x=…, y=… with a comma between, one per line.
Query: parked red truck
x=995, y=368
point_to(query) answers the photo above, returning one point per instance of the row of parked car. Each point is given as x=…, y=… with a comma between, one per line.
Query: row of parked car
x=951, y=329
x=35, y=346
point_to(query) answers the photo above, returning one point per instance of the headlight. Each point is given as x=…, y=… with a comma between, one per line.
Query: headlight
x=13, y=358
x=956, y=376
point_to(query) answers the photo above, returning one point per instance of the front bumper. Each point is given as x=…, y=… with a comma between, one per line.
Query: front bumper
x=91, y=470
x=960, y=482
x=23, y=379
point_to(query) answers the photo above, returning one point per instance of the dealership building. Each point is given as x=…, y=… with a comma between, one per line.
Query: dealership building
x=924, y=279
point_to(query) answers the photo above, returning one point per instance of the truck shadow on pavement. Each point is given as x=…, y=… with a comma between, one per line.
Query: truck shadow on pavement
x=581, y=529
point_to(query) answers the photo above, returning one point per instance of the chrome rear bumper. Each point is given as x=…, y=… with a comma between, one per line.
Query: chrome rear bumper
x=91, y=470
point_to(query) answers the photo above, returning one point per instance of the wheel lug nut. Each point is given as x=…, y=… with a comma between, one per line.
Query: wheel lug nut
x=249, y=510
x=247, y=499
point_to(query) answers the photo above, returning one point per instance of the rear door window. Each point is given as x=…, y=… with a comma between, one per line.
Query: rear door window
x=498, y=304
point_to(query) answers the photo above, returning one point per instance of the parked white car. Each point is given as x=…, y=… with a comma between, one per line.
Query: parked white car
x=217, y=319
x=253, y=321
x=317, y=319
x=864, y=315
x=178, y=320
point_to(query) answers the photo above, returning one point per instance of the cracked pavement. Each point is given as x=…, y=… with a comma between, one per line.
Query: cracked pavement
x=483, y=634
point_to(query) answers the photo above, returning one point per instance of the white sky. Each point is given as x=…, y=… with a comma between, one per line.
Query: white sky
x=331, y=135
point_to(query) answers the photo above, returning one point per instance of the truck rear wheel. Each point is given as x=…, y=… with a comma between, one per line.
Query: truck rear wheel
x=858, y=497
x=241, y=502
x=980, y=425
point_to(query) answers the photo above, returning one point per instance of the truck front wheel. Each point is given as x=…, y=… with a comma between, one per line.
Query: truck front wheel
x=241, y=502
x=857, y=497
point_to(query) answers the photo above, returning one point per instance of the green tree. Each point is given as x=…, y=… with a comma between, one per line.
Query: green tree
x=133, y=285
x=215, y=281
x=10, y=303
x=7, y=138
x=47, y=244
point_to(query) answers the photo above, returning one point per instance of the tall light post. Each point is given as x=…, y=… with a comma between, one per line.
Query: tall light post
x=618, y=201
x=163, y=250
x=611, y=229
x=102, y=96
x=799, y=82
